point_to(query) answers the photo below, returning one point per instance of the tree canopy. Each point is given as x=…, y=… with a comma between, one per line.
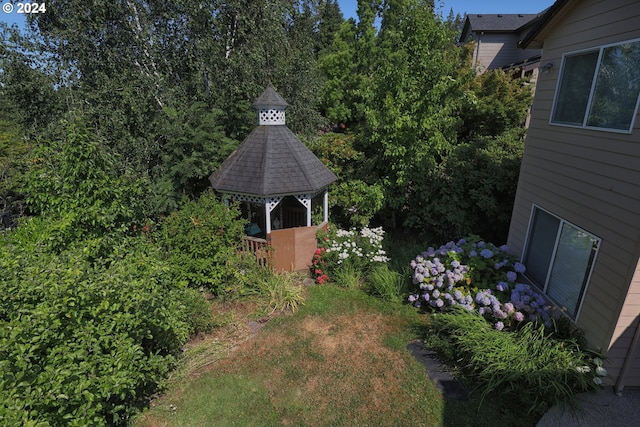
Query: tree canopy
x=168, y=90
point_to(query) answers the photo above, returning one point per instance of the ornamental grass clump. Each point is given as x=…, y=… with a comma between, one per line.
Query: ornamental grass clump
x=531, y=368
x=477, y=276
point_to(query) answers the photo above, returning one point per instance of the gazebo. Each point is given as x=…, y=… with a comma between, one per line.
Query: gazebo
x=279, y=182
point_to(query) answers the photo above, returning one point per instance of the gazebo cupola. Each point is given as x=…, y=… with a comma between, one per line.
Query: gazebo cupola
x=274, y=174
x=271, y=108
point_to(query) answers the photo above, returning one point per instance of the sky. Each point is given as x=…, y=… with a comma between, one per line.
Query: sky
x=469, y=6
x=9, y=13
x=349, y=7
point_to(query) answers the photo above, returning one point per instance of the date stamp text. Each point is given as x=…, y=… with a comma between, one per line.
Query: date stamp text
x=24, y=8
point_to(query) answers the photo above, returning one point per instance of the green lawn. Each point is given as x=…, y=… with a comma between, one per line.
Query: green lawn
x=338, y=361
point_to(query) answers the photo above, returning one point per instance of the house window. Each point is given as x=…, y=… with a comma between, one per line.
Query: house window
x=559, y=258
x=599, y=88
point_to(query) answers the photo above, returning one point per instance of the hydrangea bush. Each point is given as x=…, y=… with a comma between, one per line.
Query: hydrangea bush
x=338, y=248
x=477, y=276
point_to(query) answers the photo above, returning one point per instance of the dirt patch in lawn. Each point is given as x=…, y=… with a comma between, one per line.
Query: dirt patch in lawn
x=323, y=370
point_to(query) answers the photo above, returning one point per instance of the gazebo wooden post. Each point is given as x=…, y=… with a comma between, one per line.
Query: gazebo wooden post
x=267, y=220
x=325, y=206
x=305, y=200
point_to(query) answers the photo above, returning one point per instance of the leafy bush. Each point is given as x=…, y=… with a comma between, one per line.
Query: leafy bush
x=84, y=343
x=200, y=239
x=347, y=250
x=354, y=201
x=531, y=368
x=474, y=190
x=74, y=179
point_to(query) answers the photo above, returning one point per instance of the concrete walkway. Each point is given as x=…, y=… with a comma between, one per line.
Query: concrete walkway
x=598, y=409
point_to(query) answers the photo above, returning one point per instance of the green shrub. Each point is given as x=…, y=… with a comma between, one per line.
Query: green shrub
x=530, y=368
x=75, y=180
x=87, y=344
x=200, y=239
x=196, y=311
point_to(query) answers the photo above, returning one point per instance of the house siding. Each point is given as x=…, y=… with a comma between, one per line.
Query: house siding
x=590, y=178
x=624, y=333
x=496, y=50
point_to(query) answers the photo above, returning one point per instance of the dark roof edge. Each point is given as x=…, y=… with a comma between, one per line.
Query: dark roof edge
x=266, y=196
x=546, y=18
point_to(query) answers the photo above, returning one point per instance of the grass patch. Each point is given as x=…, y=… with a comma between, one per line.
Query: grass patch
x=221, y=393
x=340, y=360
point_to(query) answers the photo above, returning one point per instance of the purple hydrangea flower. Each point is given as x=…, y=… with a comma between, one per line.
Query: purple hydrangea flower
x=519, y=268
x=499, y=326
x=511, y=276
x=518, y=316
x=486, y=253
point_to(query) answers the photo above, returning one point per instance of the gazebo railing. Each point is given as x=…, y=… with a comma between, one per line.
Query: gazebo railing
x=258, y=248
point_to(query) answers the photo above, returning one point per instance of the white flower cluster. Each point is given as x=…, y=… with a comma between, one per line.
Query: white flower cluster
x=599, y=371
x=366, y=244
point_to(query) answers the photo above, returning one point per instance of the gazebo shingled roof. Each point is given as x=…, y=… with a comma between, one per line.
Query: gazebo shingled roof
x=271, y=161
x=278, y=180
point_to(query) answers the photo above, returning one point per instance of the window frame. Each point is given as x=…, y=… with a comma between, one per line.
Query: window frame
x=543, y=287
x=585, y=118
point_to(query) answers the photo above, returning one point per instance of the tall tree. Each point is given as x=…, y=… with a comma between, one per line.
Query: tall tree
x=124, y=65
x=412, y=124
x=422, y=122
x=13, y=162
x=349, y=67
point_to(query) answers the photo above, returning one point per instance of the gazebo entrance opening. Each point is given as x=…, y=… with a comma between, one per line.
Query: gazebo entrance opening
x=289, y=212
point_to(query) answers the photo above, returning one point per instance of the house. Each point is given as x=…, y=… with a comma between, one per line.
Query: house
x=576, y=216
x=495, y=38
